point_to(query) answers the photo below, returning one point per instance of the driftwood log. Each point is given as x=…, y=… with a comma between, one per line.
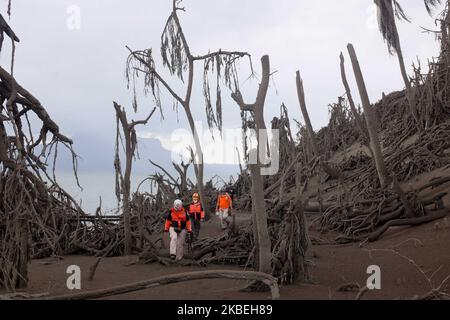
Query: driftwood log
x=267, y=279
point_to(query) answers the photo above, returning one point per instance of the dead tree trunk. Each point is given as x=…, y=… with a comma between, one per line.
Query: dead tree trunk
x=388, y=11
x=187, y=276
x=410, y=95
x=141, y=243
x=259, y=210
x=24, y=252
x=262, y=238
x=299, y=212
x=359, y=120
x=312, y=136
x=264, y=261
x=383, y=176
x=370, y=122
x=129, y=134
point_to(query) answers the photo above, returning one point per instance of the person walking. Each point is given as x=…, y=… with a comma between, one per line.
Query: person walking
x=223, y=209
x=196, y=215
x=178, y=225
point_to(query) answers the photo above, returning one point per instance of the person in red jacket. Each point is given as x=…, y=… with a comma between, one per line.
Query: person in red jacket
x=177, y=224
x=196, y=214
x=223, y=209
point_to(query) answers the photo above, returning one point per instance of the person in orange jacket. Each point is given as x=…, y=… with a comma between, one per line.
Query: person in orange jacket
x=223, y=209
x=196, y=214
x=177, y=224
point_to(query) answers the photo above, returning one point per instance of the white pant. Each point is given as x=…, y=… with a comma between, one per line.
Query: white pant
x=225, y=219
x=177, y=242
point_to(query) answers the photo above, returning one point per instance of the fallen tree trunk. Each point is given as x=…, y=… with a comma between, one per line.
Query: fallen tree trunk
x=270, y=281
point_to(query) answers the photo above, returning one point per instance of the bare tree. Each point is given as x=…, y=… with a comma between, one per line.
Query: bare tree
x=178, y=59
x=312, y=136
x=388, y=11
x=123, y=181
x=261, y=236
x=359, y=120
x=371, y=123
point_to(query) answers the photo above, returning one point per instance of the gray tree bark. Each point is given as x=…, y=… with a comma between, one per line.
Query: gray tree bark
x=370, y=122
x=312, y=136
x=358, y=118
x=130, y=146
x=262, y=238
x=383, y=176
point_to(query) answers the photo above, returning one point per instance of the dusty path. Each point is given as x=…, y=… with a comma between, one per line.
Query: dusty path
x=331, y=266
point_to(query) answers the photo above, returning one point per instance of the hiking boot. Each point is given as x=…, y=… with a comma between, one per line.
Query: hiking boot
x=172, y=257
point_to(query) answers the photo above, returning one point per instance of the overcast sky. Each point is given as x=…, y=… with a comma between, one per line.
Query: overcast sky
x=76, y=74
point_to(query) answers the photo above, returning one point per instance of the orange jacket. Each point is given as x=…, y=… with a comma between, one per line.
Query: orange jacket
x=179, y=220
x=224, y=201
x=196, y=211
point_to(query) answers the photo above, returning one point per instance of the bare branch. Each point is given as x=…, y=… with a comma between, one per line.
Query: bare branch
x=135, y=54
x=134, y=123
x=35, y=105
x=237, y=97
x=165, y=171
x=4, y=27
x=219, y=53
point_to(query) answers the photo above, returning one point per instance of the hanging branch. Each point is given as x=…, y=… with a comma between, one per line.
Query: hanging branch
x=388, y=11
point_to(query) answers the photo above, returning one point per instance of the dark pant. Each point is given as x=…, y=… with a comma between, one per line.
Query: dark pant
x=195, y=227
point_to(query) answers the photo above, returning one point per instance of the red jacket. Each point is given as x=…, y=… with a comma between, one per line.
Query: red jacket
x=224, y=202
x=179, y=220
x=196, y=211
